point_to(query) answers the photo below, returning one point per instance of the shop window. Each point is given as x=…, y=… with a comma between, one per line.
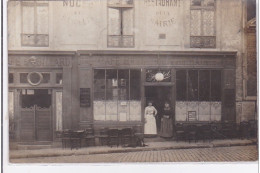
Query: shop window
x=112, y=84
x=198, y=85
x=215, y=85
x=123, y=84
x=202, y=24
x=135, y=85
x=181, y=85
x=46, y=78
x=23, y=77
x=58, y=110
x=120, y=23
x=10, y=78
x=59, y=78
x=99, y=84
x=35, y=24
x=193, y=85
x=204, y=85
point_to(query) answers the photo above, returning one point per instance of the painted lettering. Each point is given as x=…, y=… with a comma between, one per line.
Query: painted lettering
x=71, y=3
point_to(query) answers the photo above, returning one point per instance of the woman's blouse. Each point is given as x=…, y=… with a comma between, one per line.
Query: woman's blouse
x=150, y=110
x=167, y=113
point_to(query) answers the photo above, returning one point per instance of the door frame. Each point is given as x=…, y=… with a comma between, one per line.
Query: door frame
x=19, y=107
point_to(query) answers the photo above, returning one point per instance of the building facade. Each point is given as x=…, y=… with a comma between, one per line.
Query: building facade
x=76, y=64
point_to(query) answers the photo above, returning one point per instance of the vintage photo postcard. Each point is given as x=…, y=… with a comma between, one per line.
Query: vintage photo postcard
x=132, y=81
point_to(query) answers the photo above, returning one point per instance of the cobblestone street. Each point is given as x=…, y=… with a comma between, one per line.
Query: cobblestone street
x=221, y=154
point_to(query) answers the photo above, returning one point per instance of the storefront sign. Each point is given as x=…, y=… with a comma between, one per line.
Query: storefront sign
x=38, y=61
x=154, y=61
x=85, y=100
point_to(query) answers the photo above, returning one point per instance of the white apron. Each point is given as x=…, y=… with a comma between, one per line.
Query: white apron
x=150, y=122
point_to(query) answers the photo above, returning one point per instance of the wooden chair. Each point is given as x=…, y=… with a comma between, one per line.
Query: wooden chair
x=65, y=139
x=75, y=139
x=191, y=133
x=179, y=132
x=126, y=136
x=244, y=130
x=103, y=136
x=89, y=137
x=113, y=137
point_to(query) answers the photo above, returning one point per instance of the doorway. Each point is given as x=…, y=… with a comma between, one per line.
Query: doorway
x=158, y=95
x=36, y=115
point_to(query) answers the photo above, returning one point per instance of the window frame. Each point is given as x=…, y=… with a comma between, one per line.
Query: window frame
x=210, y=84
x=129, y=84
x=121, y=7
x=202, y=37
x=35, y=33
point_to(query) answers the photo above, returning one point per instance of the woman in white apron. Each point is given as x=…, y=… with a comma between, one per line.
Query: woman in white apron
x=150, y=123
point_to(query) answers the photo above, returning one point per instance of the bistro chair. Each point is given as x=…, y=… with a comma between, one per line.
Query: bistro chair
x=113, y=137
x=89, y=137
x=244, y=130
x=65, y=139
x=179, y=132
x=75, y=139
x=126, y=136
x=191, y=133
x=215, y=130
x=228, y=130
x=252, y=128
x=204, y=132
x=103, y=136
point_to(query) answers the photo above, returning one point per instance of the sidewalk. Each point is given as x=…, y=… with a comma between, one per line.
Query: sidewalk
x=165, y=145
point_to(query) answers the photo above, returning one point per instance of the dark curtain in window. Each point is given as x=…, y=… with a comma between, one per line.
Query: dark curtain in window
x=204, y=85
x=181, y=85
x=193, y=85
x=215, y=85
x=99, y=84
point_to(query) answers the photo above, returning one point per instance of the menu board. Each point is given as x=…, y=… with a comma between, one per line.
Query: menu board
x=192, y=116
x=85, y=97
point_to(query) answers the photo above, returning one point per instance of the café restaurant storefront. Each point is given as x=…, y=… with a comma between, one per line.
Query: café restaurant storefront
x=50, y=91
x=200, y=86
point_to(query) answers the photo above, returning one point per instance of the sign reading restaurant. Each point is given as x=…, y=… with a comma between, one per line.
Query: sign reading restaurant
x=163, y=3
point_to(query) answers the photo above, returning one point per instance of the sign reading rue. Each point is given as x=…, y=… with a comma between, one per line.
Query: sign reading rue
x=85, y=97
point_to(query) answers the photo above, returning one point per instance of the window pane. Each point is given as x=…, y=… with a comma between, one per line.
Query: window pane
x=135, y=84
x=123, y=84
x=195, y=23
x=192, y=85
x=208, y=22
x=204, y=85
x=181, y=85
x=28, y=19
x=99, y=84
x=128, y=21
x=215, y=85
x=114, y=21
x=58, y=78
x=42, y=20
x=46, y=77
x=23, y=77
x=11, y=78
x=111, y=85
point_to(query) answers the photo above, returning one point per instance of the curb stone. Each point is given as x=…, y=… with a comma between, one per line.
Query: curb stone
x=210, y=145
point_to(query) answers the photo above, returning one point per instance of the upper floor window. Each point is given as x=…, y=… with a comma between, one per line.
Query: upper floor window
x=120, y=23
x=35, y=24
x=202, y=24
x=251, y=9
